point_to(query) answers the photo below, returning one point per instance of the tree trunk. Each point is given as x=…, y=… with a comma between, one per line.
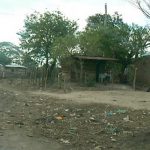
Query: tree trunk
x=52, y=68
x=46, y=68
x=46, y=77
x=46, y=64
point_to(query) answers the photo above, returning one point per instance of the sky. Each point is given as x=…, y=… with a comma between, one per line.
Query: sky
x=13, y=13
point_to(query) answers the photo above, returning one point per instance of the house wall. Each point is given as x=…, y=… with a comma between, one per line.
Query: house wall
x=143, y=70
x=72, y=67
x=12, y=73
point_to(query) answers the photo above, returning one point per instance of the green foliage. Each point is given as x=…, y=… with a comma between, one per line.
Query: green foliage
x=28, y=61
x=98, y=20
x=49, y=37
x=41, y=31
x=107, y=41
x=139, y=39
x=114, y=39
x=65, y=46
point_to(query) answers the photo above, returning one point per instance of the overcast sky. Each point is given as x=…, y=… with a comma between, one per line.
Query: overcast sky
x=13, y=13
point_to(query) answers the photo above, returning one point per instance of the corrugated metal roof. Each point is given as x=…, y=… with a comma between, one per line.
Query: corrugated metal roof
x=94, y=58
x=15, y=66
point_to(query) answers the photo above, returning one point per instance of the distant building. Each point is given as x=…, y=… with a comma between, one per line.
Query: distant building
x=12, y=70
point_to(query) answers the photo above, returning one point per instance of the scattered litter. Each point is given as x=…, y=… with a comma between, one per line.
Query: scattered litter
x=109, y=113
x=92, y=119
x=38, y=104
x=73, y=115
x=60, y=117
x=19, y=123
x=118, y=111
x=66, y=110
x=98, y=148
x=121, y=111
x=144, y=113
x=126, y=119
x=8, y=122
x=65, y=141
x=113, y=140
x=111, y=129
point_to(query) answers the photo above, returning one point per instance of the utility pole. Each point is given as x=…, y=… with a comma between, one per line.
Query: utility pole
x=105, y=19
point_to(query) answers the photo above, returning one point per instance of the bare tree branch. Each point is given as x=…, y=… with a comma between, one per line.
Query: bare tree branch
x=143, y=5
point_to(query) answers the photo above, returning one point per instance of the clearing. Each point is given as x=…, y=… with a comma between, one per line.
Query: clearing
x=80, y=120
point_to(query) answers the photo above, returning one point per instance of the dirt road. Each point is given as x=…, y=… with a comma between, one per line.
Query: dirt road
x=123, y=98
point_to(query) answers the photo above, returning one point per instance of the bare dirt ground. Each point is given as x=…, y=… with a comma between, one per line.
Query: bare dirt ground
x=80, y=120
x=124, y=98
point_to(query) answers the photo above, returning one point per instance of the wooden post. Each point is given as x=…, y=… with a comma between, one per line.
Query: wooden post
x=81, y=70
x=134, y=79
x=85, y=78
x=105, y=19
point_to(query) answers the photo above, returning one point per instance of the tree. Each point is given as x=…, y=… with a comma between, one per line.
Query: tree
x=40, y=33
x=102, y=40
x=117, y=39
x=28, y=61
x=10, y=51
x=65, y=46
x=139, y=39
x=98, y=20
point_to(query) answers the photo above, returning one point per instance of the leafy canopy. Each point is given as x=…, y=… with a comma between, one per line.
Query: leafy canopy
x=114, y=39
x=41, y=31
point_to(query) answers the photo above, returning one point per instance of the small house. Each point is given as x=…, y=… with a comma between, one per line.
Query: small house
x=14, y=70
x=84, y=68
